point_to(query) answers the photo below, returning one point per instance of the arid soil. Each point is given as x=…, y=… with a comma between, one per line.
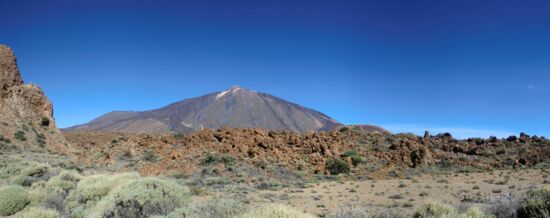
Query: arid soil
x=403, y=196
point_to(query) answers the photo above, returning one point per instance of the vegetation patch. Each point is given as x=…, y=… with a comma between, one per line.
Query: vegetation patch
x=20, y=135
x=12, y=200
x=142, y=197
x=39, y=212
x=276, y=211
x=537, y=204
x=337, y=166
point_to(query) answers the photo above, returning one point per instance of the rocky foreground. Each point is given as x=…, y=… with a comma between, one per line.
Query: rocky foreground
x=309, y=152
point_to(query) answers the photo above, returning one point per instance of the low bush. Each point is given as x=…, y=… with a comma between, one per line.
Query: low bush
x=12, y=200
x=150, y=156
x=356, y=160
x=350, y=212
x=275, y=211
x=92, y=189
x=41, y=140
x=52, y=194
x=222, y=207
x=349, y=153
x=537, y=204
x=20, y=135
x=337, y=166
x=475, y=212
x=31, y=175
x=143, y=197
x=504, y=205
x=435, y=210
x=38, y=212
x=210, y=158
x=9, y=171
x=227, y=160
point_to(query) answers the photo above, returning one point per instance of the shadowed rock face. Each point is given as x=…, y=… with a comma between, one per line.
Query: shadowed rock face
x=235, y=107
x=25, y=109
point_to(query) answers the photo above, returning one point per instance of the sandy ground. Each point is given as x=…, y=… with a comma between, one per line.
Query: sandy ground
x=404, y=195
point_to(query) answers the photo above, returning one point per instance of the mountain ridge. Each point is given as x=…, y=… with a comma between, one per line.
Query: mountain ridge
x=234, y=107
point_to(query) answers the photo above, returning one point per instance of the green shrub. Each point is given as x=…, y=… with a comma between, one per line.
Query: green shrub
x=9, y=171
x=52, y=193
x=45, y=121
x=350, y=212
x=150, y=156
x=36, y=171
x=221, y=207
x=91, y=189
x=12, y=200
x=356, y=160
x=31, y=175
x=41, y=139
x=38, y=212
x=435, y=210
x=227, y=159
x=475, y=212
x=337, y=166
x=349, y=153
x=20, y=135
x=537, y=204
x=210, y=158
x=275, y=211
x=142, y=197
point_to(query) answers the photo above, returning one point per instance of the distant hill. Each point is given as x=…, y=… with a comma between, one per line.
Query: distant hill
x=235, y=107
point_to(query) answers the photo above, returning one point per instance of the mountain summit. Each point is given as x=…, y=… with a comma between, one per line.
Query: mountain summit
x=234, y=107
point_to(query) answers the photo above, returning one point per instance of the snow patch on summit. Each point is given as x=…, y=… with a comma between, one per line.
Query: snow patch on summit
x=231, y=90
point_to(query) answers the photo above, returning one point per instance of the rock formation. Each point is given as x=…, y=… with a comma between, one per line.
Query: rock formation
x=26, y=114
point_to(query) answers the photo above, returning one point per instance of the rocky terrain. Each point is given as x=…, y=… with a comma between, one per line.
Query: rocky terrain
x=310, y=152
x=235, y=107
x=26, y=114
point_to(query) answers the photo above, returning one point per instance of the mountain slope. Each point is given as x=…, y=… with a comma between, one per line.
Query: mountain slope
x=26, y=114
x=235, y=107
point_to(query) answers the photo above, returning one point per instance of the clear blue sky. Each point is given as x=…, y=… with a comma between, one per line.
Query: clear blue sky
x=470, y=67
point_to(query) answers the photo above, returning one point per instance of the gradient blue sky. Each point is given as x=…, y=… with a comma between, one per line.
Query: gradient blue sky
x=470, y=67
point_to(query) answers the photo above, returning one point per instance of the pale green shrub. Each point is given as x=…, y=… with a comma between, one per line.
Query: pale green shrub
x=475, y=212
x=350, y=212
x=217, y=208
x=52, y=193
x=9, y=171
x=35, y=171
x=92, y=189
x=12, y=200
x=31, y=175
x=142, y=197
x=537, y=204
x=276, y=211
x=362, y=212
x=435, y=210
x=38, y=212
